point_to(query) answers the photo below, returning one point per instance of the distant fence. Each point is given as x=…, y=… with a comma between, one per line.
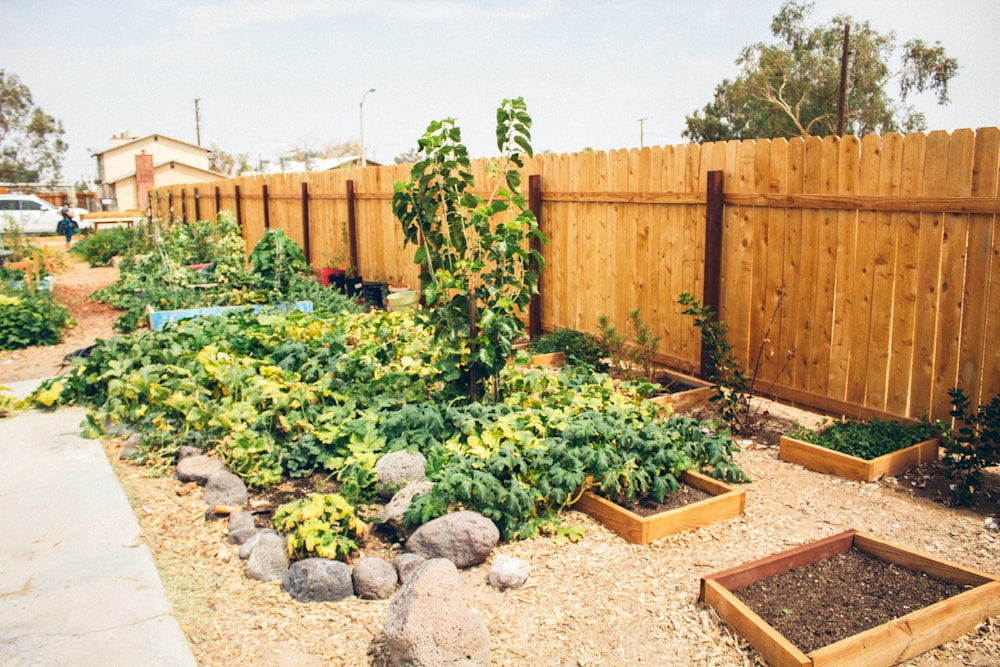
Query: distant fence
x=866, y=270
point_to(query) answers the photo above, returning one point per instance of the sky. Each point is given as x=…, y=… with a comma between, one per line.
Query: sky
x=275, y=75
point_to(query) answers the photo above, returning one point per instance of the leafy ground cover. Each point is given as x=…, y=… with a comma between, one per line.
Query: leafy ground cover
x=866, y=439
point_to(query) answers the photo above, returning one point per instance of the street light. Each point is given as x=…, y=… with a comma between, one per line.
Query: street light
x=364, y=162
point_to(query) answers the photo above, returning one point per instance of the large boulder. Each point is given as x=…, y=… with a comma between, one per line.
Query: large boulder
x=318, y=580
x=391, y=516
x=465, y=538
x=396, y=469
x=225, y=489
x=428, y=624
x=198, y=468
x=374, y=579
x=269, y=559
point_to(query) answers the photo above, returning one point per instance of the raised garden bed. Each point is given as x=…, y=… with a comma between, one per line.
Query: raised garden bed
x=725, y=503
x=690, y=392
x=885, y=644
x=832, y=462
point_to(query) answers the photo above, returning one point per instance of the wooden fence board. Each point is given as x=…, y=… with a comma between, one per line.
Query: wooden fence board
x=849, y=288
x=976, y=284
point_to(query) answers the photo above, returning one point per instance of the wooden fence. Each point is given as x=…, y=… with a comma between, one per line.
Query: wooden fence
x=864, y=272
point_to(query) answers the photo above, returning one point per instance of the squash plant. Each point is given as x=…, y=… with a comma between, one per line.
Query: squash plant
x=476, y=270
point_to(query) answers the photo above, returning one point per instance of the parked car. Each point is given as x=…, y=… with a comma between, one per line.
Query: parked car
x=34, y=215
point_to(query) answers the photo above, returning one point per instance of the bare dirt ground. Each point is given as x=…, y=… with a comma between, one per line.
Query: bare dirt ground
x=601, y=601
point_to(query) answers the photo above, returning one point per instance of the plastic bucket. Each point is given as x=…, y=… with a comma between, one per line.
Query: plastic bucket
x=402, y=301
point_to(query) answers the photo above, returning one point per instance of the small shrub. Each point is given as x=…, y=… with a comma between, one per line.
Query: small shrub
x=631, y=359
x=973, y=446
x=100, y=248
x=321, y=524
x=30, y=319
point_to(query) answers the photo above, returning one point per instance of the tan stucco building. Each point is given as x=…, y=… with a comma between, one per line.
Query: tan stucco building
x=133, y=165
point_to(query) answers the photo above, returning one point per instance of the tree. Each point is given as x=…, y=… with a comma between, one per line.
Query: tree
x=407, y=157
x=31, y=143
x=226, y=163
x=791, y=88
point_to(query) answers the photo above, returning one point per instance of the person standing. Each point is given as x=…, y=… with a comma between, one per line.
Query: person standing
x=68, y=225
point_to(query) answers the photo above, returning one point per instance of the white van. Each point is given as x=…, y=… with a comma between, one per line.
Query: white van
x=34, y=215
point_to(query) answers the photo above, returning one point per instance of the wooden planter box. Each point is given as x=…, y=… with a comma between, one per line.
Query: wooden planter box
x=832, y=462
x=550, y=360
x=725, y=504
x=687, y=399
x=887, y=644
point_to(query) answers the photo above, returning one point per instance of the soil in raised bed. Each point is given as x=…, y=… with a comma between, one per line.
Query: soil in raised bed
x=685, y=495
x=816, y=605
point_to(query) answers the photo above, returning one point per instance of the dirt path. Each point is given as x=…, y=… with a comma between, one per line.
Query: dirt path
x=74, y=282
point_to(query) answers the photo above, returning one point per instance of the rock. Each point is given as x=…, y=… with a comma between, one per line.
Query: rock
x=198, y=468
x=318, y=580
x=391, y=515
x=130, y=446
x=374, y=579
x=509, y=572
x=225, y=488
x=428, y=625
x=396, y=469
x=269, y=559
x=241, y=527
x=465, y=538
x=405, y=564
x=253, y=541
x=187, y=451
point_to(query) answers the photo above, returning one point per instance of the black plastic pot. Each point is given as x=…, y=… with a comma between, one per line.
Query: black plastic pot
x=338, y=281
x=353, y=285
x=375, y=294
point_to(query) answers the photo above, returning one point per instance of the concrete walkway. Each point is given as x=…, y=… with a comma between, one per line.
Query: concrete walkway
x=77, y=584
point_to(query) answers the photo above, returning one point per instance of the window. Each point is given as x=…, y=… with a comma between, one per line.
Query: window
x=8, y=204
x=28, y=205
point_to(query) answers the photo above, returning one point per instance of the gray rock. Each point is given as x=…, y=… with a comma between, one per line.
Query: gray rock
x=405, y=564
x=394, y=470
x=225, y=488
x=253, y=541
x=198, y=468
x=130, y=446
x=269, y=559
x=428, y=625
x=374, y=579
x=509, y=572
x=188, y=451
x=318, y=580
x=391, y=515
x=465, y=538
x=241, y=527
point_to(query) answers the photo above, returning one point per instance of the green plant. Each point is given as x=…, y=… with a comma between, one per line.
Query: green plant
x=324, y=525
x=580, y=348
x=30, y=319
x=973, y=446
x=476, y=271
x=732, y=386
x=865, y=439
x=632, y=359
x=276, y=259
x=100, y=248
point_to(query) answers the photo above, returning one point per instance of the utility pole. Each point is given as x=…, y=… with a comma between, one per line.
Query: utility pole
x=364, y=161
x=641, y=127
x=197, y=119
x=842, y=97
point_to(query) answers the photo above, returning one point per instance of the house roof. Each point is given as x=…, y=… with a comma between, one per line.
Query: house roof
x=166, y=163
x=145, y=139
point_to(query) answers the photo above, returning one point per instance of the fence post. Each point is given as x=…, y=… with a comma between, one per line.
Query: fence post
x=305, y=223
x=197, y=205
x=170, y=207
x=218, y=202
x=239, y=208
x=352, y=236
x=267, y=208
x=184, y=206
x=713, y=253
x=535, y=305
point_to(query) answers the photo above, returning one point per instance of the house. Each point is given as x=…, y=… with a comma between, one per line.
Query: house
x=289, y=166
x=134, y=165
